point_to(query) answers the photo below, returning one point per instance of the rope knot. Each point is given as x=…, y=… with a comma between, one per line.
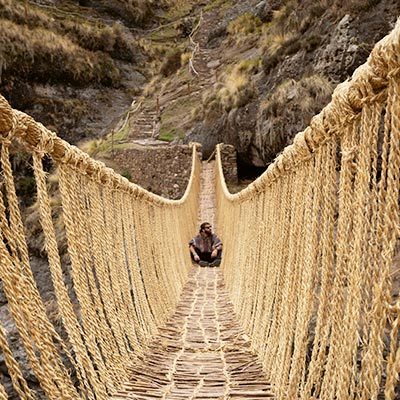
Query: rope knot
x=46, y=142
x=7, y=119
x=349, y=154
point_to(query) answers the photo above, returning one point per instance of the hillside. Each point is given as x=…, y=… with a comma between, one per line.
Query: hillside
x=249, y=73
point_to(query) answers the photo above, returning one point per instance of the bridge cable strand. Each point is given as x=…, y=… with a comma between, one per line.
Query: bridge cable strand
x=310, y=246
x=118, y=265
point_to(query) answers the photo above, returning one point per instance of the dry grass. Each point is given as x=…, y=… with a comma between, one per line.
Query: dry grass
x=153, y=86
x=90, y=35
x=139, y=10
x=286, y=33
x=105, y=146
x=44, y=45
x=236, y=90
x=234, y=93
x=42, y=55
x=289, y=109
x=178, y=8
x=244, y=24
x=307, y=95
x=220, y=4
x=293, y=27
x=276, y=42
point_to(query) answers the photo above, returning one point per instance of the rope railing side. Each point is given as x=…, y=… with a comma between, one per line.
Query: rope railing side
x=119, y=255
x=311, y=245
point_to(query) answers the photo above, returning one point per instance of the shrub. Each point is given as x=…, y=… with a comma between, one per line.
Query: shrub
x=172, y=63
x=244, y=25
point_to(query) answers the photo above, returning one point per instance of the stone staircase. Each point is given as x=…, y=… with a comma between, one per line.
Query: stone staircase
x=144, y=124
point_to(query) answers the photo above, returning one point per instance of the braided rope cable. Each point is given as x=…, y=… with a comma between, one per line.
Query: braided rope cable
x=316, y=295
x=118, y=279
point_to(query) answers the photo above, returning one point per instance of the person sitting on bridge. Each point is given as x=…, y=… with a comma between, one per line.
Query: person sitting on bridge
x=206, y=247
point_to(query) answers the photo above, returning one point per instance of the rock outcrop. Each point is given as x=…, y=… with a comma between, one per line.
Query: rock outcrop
x=296, y=79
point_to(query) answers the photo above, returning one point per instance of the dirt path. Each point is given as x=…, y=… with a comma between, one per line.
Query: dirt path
x=201, y=353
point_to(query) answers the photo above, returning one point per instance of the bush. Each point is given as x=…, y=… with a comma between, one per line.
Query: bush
x=244, y=24
x=172, y=63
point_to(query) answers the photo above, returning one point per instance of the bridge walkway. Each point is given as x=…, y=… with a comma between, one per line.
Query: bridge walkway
x=201, y=352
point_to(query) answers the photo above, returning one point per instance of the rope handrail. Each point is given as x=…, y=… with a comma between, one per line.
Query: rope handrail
x=196, y=46
x=118, y=241
x=369, y=82
x=34, y=134
x=308, y=254
x=310, y=246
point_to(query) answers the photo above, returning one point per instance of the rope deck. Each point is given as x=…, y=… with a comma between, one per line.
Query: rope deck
x=201, y=353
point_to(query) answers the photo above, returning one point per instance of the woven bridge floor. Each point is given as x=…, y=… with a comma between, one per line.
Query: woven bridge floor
x=201, y=353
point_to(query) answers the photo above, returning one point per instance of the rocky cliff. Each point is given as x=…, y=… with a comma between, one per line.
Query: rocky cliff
x=290, y=56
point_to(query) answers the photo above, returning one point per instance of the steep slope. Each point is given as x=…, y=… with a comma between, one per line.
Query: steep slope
x=291, y=56
x=73, y=68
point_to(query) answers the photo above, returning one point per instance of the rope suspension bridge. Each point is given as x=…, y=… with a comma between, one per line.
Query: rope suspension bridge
x=302, y=307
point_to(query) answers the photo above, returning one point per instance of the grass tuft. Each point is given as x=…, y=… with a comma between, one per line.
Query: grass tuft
x=244, y=24
x=290, y=107
x=221, y=4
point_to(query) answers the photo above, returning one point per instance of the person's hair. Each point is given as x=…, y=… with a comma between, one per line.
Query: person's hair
x=203, y=225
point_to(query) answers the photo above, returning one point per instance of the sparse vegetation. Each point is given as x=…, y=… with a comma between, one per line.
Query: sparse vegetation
x=88, y=34
x=178, y=8
x=185, y=57
x=126, y=173
x=152, y=86
x=290, y=108
x=221, y=4
x=235, y=91
x=41, y=55
x=244, y=24
x=106, y=145
x=309, y=95
x=35, y=46
x=169, y=135
x=175, y=118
